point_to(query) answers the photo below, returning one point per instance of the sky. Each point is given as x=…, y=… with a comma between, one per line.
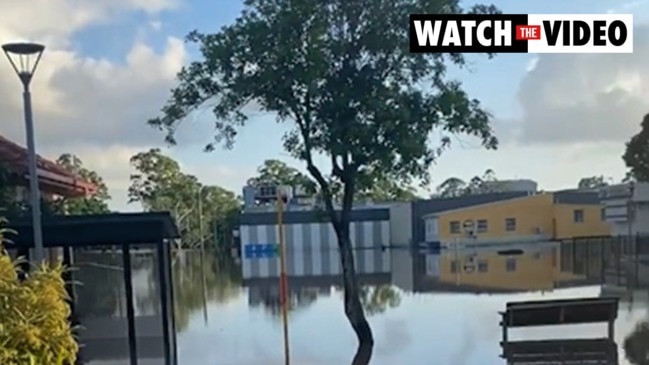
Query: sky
x=109, y=66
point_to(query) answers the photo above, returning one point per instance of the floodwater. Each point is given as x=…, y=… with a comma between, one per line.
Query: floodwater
x=425, y=309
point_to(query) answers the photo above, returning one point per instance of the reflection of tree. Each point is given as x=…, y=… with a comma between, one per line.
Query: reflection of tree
x=298, y=299
x=221, y=278
x=100, y=277
x=377, y=299
x=636, y=345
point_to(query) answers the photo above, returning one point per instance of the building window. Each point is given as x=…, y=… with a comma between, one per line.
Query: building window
x=454, y=267
x=454, y=227
x=578, y=215
x=482, y=225
x=483, y=265
x=603, y=214
x=510, y=224
x=510, y=264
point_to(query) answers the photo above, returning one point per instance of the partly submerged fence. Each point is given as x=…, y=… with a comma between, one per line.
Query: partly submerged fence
x=614, y=260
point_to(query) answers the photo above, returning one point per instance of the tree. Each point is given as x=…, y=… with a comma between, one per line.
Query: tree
x=636, y=345
x=341, y=73
x=592, y=182
x=95, y=203
x=454, y=187
x=451, y=188
x=380, y=189
x=160, y=185
x=636, y=156
x=279, y=173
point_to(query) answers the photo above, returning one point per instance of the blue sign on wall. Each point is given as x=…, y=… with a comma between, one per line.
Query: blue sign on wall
x=260, y=250
x=430, y=247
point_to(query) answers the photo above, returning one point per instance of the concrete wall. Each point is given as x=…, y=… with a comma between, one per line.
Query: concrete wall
x=401, y=233
x=616, y=200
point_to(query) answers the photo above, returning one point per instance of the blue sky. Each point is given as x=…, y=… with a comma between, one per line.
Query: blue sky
x=530, y=104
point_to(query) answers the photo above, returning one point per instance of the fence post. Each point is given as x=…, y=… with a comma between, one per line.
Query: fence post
x=637, y=260
x=602, y=269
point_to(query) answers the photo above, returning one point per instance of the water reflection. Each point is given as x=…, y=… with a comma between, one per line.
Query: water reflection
x=377, y=294
x=423, y=308
x=100, y=306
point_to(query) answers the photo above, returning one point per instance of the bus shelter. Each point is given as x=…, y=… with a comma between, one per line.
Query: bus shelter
x=120, y=282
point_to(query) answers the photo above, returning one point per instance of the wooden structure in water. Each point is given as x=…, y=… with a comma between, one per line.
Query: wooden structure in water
x=600, y=351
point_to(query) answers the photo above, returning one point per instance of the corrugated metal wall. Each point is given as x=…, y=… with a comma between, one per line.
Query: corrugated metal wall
x=312, y=249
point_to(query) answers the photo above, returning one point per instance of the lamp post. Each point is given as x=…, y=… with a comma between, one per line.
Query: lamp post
x=24, y=58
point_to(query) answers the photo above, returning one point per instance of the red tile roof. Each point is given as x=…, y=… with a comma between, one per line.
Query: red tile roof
x=52, y=177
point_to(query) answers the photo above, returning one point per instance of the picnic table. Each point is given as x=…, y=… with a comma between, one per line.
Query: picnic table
x=560, y=312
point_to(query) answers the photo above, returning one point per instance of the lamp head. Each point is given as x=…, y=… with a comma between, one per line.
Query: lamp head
x=24, y=58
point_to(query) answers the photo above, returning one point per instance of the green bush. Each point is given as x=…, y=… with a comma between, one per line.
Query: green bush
x=34, y=325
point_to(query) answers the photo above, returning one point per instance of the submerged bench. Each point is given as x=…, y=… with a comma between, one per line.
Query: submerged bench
x=577, y=351
x=560, y=312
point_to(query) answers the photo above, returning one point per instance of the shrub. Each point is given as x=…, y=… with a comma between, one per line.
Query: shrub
x=34, y=325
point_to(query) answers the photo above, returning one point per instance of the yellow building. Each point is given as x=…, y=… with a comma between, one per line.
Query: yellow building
x=532, y=218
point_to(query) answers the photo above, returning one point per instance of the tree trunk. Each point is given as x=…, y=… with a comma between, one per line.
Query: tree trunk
x=353, y=307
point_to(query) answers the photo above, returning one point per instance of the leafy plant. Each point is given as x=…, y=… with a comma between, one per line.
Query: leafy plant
x=34, y=325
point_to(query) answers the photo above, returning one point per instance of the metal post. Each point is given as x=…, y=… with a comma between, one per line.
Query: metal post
x=283, y=281
x=130, y=305
x=457, y=261
x=34, y=192
x=200, y=218
x=204, y=287
x=164, y=299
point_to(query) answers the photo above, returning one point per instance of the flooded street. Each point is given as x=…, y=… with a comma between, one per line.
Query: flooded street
x=440, y=309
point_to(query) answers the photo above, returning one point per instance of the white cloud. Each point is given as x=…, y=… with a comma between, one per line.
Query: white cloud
x=531, y=65
x=586, y=97
x=628, y=7
x=111, y=162
x=94, y=108
x=155, y=25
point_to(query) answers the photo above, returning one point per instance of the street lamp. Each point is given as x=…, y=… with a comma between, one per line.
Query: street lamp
x=24, y=58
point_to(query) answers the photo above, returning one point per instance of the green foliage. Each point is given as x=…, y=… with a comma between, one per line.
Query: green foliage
x=378, y=299
x=455, y=187
x=378, y=189
x=96, y=203
x=593, y=182
x=636, y=345
x=160, y=185
x=279, y=173
x=341, y=74
x=34, y=326
x=636, y=156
